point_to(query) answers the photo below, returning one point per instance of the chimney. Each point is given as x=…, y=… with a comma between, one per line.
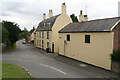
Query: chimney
x=63, y=8
x=44, y=16
x=80, y=12
x=86, y=17
x=82, y=17
x=50, y=13
x=119, y=9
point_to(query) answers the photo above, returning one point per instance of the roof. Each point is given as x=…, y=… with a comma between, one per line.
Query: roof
x=47, y=24
x=31, y=31
x=100, y=25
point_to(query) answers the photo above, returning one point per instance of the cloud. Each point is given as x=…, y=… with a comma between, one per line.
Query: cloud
x=29, y=12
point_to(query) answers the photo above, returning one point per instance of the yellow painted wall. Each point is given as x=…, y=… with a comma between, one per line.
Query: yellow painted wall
x=60, y=23
x=32, y=36
x=44, y=39
x=97, y=52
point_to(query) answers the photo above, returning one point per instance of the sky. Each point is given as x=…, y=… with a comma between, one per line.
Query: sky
x=29, y=13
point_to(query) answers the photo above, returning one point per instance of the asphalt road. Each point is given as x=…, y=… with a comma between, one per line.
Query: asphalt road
x=42, y=66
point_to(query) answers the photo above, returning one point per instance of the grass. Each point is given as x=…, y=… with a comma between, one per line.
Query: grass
x=9, y=48
x=13, y=71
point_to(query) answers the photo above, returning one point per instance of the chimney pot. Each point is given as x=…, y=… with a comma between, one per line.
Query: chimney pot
x=63, y=8
x=44, y=16
x=50, y=13
x=81, y=12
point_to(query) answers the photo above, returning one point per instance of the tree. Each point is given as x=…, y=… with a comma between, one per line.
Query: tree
x=74, y=18
x=5, y=35
x=24, y=33
x=13, y=30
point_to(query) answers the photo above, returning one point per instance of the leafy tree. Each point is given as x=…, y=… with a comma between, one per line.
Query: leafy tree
x=24, y=33
x=5, y=35
x=74, y=18
x=13, y=30
x=0, y=32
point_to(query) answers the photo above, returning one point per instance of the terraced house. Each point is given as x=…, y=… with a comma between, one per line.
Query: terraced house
x=47, y=31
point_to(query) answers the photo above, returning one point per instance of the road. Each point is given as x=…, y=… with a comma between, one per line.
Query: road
x=42, y=66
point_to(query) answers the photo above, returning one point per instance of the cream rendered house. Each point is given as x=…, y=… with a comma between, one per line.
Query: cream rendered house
x=91, y=41
x=47, y=31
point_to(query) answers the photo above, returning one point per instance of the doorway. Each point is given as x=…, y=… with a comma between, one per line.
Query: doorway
x=53, y=47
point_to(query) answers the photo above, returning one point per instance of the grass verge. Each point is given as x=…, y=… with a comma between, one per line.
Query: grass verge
x=9, y=48
x=13, y=71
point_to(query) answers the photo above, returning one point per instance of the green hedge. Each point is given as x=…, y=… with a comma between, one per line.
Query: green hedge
x=115, y=56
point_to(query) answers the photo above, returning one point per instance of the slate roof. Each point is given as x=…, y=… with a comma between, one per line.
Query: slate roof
x=31, y=31
x=100, y=25
x=47, y=24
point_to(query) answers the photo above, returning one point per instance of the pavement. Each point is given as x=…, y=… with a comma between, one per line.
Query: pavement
x=50, y=65
x=88, y=67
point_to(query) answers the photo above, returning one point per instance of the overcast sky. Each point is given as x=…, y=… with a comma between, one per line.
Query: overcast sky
x=28, y=13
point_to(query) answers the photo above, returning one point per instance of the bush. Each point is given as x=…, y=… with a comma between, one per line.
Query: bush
x=115, y=56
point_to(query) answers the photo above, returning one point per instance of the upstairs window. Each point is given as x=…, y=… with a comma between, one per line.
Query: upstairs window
x=42, y=34
x=87, y=38
x=68, y=37
x=47, y=34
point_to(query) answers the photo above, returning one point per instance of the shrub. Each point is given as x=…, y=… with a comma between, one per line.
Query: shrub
x=115, y=56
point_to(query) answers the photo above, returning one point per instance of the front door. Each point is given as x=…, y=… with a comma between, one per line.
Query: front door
x=53, y=47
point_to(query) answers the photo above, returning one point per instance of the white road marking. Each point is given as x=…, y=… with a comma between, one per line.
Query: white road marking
x=53, y=68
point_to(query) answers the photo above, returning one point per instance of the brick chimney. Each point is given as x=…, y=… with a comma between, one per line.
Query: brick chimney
x=82, y=17
x=63, y=8
x=44, y=16
x=50, y=13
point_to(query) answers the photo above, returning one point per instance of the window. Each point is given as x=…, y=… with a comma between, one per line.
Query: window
x=47, y=34
x=39, y=42
x=68, y=37
x=43, y=34
x=87, y=38
x=42, y=44
x=40, y=34
x=48, y=45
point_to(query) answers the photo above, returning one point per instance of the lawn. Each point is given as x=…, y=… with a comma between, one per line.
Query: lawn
x=9, y=48
x=13, y=71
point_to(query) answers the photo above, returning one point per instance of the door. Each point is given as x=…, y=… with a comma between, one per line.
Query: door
x=53, y=47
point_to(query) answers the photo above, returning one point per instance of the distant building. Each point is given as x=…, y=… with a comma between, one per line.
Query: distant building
x=119, y=8
x=30, y=36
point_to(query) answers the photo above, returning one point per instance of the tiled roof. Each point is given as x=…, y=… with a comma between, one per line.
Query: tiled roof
x=47, y=24
x=100, y=25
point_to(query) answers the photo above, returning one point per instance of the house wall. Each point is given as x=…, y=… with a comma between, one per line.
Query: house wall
x=32, y=36
x=116, y=37
x=97, y=52
x=60, y=23
x=39, y=39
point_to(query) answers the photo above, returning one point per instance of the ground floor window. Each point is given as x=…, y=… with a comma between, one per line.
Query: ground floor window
x=48, y=45
x=42, y=44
